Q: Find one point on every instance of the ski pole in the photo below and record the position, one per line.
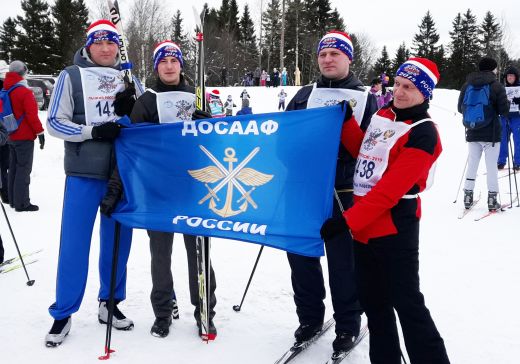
(444, 109)
(30, 281)
(509, 167)
(461, 179)
(237, 308)
(111, 300)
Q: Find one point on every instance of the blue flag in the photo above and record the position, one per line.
(265, 178)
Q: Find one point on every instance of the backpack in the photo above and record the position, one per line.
(476, 110)
(7, 119)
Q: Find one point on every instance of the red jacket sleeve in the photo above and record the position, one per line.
(30, 108)
(352, 136)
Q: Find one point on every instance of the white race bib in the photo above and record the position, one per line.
(100, 85)
(513, 92)
(174, 106)
(372, 161)
(320, 97)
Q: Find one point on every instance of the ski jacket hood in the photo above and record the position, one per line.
(512, 71)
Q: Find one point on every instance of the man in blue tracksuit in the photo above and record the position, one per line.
(81, 113)
(511, 79)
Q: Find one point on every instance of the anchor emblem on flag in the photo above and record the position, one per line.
(231, 177)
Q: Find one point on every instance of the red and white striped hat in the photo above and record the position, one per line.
(166, 49)
(338, 40)
(102, 30)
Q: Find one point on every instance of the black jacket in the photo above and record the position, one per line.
(498, 102)
(145, 108)
(345, 165)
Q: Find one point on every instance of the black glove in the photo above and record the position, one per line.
(199, 114)
(125, 100)
(332, 227)
(110, 201)
(41, 139)
(348, 113)
(516, 100)
(106, 131)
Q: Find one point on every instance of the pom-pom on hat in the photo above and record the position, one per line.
(423, 73)
(102, 30)
(338, 40)
(166, 49)
(487, 64)
(214, 93)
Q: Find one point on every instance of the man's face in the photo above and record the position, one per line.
(406, 95)
(333, 63)
(104, 53)
(511, 78)
(169, 70)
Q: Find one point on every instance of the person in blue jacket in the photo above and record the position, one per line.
(511, 124)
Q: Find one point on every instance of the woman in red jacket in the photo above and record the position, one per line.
(395, 157)
(21, 141)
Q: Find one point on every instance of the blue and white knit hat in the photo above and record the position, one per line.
(102, 30)
(423, 73)
(338, 40)
(166, 49)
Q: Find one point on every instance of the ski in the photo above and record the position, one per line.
(115, 18)
(203, 242)
(494, 212)
(15, 259)
(10, 268)
(465, 211)
(297, 347)
(338, 356)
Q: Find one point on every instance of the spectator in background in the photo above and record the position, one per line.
(511, 124)
(21, 141)
(246, 109)
(281, 100)
(297, 77)
(487, 138)
(284, 77)
(263, 78)
(275, 78)
(4, 165)
(257, 74)
(382, 95)
(229, 105)
(244, 96)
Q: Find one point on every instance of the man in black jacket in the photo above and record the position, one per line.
(486, 138)
(336, 83)
(155, 106)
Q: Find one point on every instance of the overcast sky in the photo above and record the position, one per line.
(385, 22)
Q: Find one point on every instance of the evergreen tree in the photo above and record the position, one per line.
(8, 38)
(336, 21)
(70, 23)
(248, 40)
(178, 34)
(271, 42)
(424, 42)
(383, 64)
(180, 37)
(37, 45)
(401, 55)
(464, 49)
(490, 36)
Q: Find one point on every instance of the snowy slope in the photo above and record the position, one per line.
(469, 270)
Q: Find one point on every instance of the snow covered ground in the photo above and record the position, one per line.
(469, 270)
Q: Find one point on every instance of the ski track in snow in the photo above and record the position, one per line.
(468, 269)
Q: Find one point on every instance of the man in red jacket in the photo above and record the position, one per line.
(21, 141)
(395, 160)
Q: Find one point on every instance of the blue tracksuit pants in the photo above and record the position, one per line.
(513, 128)
(81, 202)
